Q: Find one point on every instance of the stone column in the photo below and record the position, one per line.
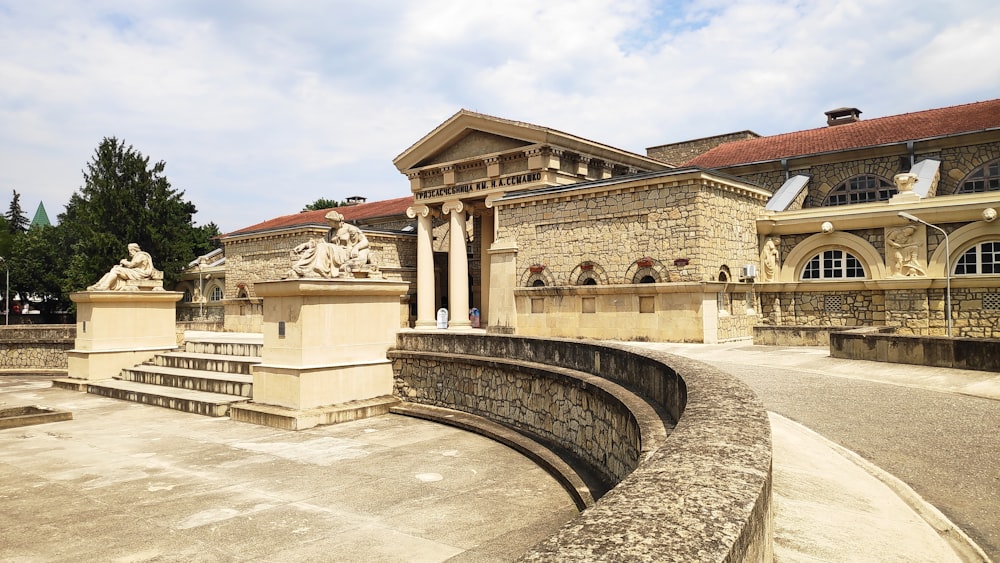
(425, 267)
(458, 268)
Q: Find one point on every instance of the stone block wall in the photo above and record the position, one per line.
(679, 153)
(958, 162)
(31, 347)
(689, 229)
(597, 428)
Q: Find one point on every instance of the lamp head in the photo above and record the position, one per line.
(909, 217)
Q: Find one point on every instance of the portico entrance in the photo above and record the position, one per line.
(456, 171)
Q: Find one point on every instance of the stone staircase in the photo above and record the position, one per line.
(209, 374)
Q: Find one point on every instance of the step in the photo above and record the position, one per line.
(206, 362)
(190, 379)
(233, 348)
(224, 343)
(198, 402)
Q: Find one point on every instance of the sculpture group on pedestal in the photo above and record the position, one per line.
(343, 251)
(134, 273)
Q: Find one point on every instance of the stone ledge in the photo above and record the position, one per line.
(301, 419)
(982, 354)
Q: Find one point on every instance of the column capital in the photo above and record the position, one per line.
(422, 210)
(492, 198)
(455, 205)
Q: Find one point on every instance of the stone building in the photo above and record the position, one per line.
(549, 234)
(843, 255)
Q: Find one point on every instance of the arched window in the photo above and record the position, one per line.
(187, 296)
(647, 279)
(538, 283)
(216, 294)
(861, 189)
(983, 258)
(590, 281)
(986, 178)
(833, 264)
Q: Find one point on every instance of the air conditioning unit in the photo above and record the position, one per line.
(748, 272)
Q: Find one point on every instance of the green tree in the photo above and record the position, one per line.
(17, 222)
(322, 203)
(124, 200)
(36, 266)
(207, 239)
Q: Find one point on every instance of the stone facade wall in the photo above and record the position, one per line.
(825, 177)
(249, 260)
(738, 314)
(688, 230)
(976, 311)
(679, 153)
(957, 163)
(825, 308)
(31, 347)
(915, 312)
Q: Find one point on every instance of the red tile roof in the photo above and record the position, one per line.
(384, 208)
(931, 123)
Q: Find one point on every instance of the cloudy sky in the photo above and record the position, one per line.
(262, 106)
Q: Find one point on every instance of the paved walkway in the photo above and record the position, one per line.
(831, 504)
(129, 482)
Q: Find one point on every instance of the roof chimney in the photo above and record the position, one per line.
(841, 116)
(355, 199)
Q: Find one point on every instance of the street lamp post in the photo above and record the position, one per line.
(6, 299)
(947, 264)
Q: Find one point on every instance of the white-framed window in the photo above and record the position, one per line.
(216, 294)
(982, 258)
(861, 189)
(986, 178)
(833, 264)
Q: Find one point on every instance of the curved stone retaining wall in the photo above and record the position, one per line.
(35, 347)
(701, 493)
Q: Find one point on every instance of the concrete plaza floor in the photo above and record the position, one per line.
(129, 482)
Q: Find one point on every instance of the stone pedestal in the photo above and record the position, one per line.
(119, 329)
(325, 344)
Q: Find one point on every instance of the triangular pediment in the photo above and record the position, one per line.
(468, 135)
(472, 144)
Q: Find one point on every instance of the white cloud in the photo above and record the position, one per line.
(261, 107)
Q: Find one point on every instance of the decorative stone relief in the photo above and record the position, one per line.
(904, 251)
(770, 260)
